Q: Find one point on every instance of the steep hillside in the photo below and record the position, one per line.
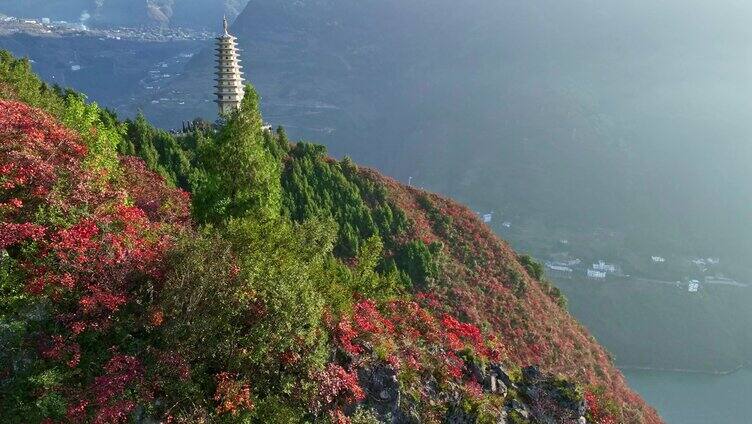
(288, 287)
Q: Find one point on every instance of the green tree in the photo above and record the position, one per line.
(160, 150)
(239, 176)
(533, 267)
(418, 261)
(101, 133)
(239, 297)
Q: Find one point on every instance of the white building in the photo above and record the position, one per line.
(658, 259)
(595, 274)
(694, 286)
(604, 267)
(560, 271)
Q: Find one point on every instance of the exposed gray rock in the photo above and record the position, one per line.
(501, 374)
(383, 394)
(539, 397)
(519, 407)
(531, 374)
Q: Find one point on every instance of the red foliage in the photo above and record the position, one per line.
(414, 336)
(156, 318)
(11, 233)
(86, 249)
(597, 411)
(107, 396)
(60, 350)
(231, 395)
(96, 262)
(149, 193)
(336, 388)
(484, 283)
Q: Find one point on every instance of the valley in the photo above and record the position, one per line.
(576, 155)
(162, 78)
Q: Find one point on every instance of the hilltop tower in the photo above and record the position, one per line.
(229, 75)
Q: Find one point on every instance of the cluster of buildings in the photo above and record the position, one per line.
(566, 269)
(562, 268)
(601, 269)
(701, 262)
(10, 25)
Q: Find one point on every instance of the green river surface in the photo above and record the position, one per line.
(685, 398)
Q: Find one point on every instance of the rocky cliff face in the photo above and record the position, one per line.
(533, 397)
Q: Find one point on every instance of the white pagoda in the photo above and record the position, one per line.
(229, 75)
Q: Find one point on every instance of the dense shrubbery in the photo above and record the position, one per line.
(316, 187)
(99, 128)
(536, 270)
(259, 299)
(160, 150)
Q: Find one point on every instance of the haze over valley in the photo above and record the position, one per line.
(613, 131)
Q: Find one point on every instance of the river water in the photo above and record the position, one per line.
(683, 398)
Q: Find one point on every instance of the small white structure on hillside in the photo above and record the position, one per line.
(604, 267)
(658, 259)
(595, 274)
(694, 286)
(556, 270)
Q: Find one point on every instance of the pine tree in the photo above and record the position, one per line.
(239, 176)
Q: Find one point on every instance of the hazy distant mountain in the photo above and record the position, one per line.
(632, 115)
(190, 13)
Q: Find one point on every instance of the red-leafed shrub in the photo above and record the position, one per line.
(407, 334)
(597, 410)
(231, 395)
(149, 193)
(335, 389)
(83, 253)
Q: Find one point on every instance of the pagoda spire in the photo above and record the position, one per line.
(229, 88)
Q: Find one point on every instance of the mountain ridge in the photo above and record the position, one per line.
(372, 281)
